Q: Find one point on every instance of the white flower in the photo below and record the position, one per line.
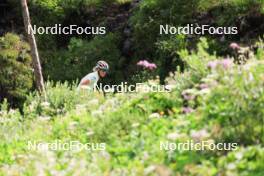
(175, 135)
(154, 115)
(89, 133)
(72, 125)
(149, 170)
(105, 155)
(231, 166)
(199, 135)
(145, 155)
(239, 155)
(44, 118)
(135, 125)
(45, 104)
(93, 102)
(11, 111)
(96, 113)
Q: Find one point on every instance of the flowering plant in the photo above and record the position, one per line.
(147, 65)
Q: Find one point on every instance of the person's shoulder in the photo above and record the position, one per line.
(91, 76)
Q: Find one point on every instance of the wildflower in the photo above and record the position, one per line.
(234, 46)
(239, 155)
(135, 125)
(231, 166)
(45, 104)
(89, 133)
(142, 63)
(175, 136)
(105, 155)
(226, 63)
(189, 94)
(12, 111)
(44, 118)
(93, 102)
(188, 97)
(199, 135)
(149, 170)
(203, 86)
(72, 125)
(154, 115)
(152, 66)
(187, 110)
(96, 113)
(147, 65)
(212, 64)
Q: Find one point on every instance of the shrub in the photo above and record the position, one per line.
(237, 103)
(15, 74)
(245, 161)
(197, 61)
(59, 99)
(81, 57)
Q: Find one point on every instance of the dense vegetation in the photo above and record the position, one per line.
(217, 93)
(220, 102)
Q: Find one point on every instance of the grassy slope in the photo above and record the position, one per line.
(132, 126)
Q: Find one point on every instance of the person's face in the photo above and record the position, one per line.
(102, 73)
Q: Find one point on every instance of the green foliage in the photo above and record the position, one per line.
(197, 61)
(133, 125)
(59, 99)
(81, 57)
(237, 104)
(246, 161)
(220, 103)
(16, 74)
(151, 14)
(168, 58)
(234, 9)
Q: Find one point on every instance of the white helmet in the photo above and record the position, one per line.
(102, 65)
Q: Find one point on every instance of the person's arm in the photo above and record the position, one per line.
(85, 82)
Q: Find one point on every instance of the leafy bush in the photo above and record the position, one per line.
(16, 73)
(59, 99)
(81, 57)
(197, 61)
(151, 14)
(246, 161)
(237, 104)
(133, 125)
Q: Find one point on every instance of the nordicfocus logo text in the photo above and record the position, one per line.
(58, 29)
(65, 146)
(199, 146)
(191, 29)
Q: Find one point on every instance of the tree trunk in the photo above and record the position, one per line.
(33, 46)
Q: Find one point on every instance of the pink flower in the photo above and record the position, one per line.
(199, 135)
(152, 66)
(187, 110)
(147, 65)
(143, 63)
(188, 96)
(212, 64)
(203, 86)
(234, 46)
(226, 63)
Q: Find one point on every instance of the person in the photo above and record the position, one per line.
(90, 80)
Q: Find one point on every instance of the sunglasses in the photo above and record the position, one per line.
(106, 71)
